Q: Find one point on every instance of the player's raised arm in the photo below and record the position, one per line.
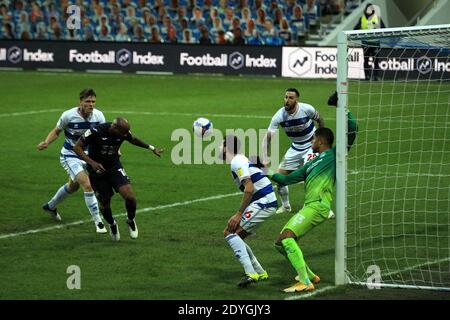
(352, 124)
(293, 177)
(52, 136)
(137, 142)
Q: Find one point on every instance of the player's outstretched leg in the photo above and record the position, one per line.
(92, 205)
(283, 192)
(130, 204)
(262, 274)
(105, 209)
(62, 193)
(91, 201)
(240, 252)
(314, 278)
(295, 256)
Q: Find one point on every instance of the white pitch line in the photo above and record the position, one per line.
(172, 205)
(15, 114)
(218, 115)
(309, 295)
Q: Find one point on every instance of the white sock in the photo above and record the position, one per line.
(59, 196)
(256, 265)
(240, 252)
(283, 191)
(92, 204)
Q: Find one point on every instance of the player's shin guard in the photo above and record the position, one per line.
(283, 192)
(130, 205)
(295, 256)
(60, 195)
(240, 252)
(92, 204)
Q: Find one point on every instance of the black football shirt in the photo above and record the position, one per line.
(104, 147)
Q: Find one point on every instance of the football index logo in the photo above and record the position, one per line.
(236, 60)
(14, 55)
(424, 65)
(123, 57)
(300, 62)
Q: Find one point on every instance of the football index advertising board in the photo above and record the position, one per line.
(319, 62)
(251, 60)
(132, 57)
(83, 55)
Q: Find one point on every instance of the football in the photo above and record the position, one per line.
(202, 127)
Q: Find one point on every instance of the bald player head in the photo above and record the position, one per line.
(120, 127)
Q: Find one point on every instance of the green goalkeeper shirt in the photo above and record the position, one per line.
(319, 174)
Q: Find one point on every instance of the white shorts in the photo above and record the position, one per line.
(254, 215)
(72, 165)
(294, 159)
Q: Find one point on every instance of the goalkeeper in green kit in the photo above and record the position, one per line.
(319, 176)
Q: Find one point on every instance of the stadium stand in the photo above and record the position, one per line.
(260, 22)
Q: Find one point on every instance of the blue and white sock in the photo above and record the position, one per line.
(59, 196)
(92, 204)
(256, 265)
(240, 252)
(283, 192)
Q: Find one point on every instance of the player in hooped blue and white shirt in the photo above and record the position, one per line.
(258, 203)
(297, 120)
(74, 122)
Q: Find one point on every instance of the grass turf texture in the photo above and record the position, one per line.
(180, 253)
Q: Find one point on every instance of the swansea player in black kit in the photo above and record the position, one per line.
(106, 172)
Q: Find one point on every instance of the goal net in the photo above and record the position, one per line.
(393, 185)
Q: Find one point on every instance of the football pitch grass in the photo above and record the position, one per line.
(182, 209)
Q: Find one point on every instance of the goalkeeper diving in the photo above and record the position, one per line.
(319, 176)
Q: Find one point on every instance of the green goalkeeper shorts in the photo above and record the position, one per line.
(311, 215)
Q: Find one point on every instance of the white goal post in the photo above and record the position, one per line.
(393, 185)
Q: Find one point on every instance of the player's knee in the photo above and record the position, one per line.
(72, 187)
(86, 185)
(285, 234)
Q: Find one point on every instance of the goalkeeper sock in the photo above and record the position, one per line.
(59, 196)
(91, 203)
(295, 256)
(255, 263)
(240, 252)
(283, 191)
(309, 272)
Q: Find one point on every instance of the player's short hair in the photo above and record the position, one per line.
(87, 93)
(325, 133)
(293, 90)
(232, 143)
